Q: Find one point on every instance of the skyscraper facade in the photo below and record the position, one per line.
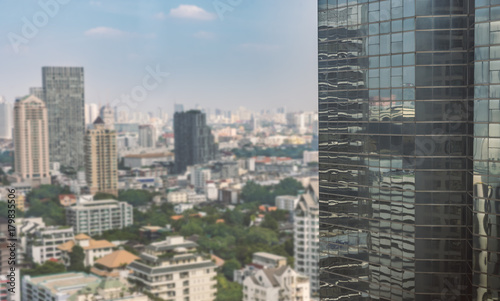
(101, 163)
(63, 90)
(147, 136)
(6, 117)
(108, 116)
(31, 141)
(194, 142)
(397, 88)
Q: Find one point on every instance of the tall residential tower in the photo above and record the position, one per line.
(63, 91)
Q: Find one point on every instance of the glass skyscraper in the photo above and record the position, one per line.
(409, 139)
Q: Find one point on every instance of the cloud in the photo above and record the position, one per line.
(259, 47)
(191, 12)
(108, 32)
(204, 35)
(160, 16)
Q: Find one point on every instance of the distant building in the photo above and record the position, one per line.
(260, 260)
(286, 202)
(147, 159)
(67, 199)
(101, 163)
(93, 249)
(6, 119)
(173, 270)
(176, 197)
(195, 142)
(310, 156)
(5, 295)
(64, 96)
(93, 217)
(42, 246)
(91, 112)
(108, 116)
(180, 208)
(199, 177)
(306, 234)
(31, 141)
(147, 136)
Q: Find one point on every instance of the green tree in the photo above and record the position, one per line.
(136, 197)
(50, 212)
(48, 267)
(288, 186)
(76, 258)
(229, 267)
(228, 291)
(269, 222)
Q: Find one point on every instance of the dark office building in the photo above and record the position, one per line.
(409, 141)
(194, 142)
(63, 93)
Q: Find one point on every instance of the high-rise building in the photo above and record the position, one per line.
(91, 112)
(6, 123)
(108, 116)
(147, 136)
(409, 149)
(173, 270)
(101, 162)
(306, 235)
(63, 93)
(31, 141)
(194, 142)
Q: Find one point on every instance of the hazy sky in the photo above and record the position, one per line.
(219, 54)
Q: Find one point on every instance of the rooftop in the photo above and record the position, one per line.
(68, 283)
(117, 259)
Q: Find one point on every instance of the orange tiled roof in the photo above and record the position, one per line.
(82, 236)
(176, 217)
(117, 259)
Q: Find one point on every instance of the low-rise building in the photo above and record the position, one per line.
(42, 245)
(147, 159)
(173, 270)
(114, 264)
(286, 202)
(273, 284)
(180, 208)
(57, 287)
(260, 260)
(93, 249)
(67, 200)
(93, 217)
(176, 197)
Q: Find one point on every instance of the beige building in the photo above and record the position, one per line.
(173, 270)
(31, 134)
(93, 249)
(114, 264)
(101, 165)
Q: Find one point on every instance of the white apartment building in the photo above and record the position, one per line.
(199, 177)
(172, 270)
(260, 260)
(42, 246)
(93, 217)
(306, 234)
(286, 202)
(274, 284)
(176, 197)
(180, 208)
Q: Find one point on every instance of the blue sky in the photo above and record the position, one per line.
(260, 54)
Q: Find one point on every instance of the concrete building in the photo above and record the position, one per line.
(172, 270)
(101, 163)
(31, 141)
(93, 217)
(74, 286)
(114, 264)
(93, 249)
(260, 260)
(306, 235)
(64, 96)
(194, 143)
(286, 202)
(199, 177)
(91, 112)
(310, 156)
(108, 116)
(147, 136)
(176, 197)
(6, 119)
(180, 208)
(43, 245)
(147, 159)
